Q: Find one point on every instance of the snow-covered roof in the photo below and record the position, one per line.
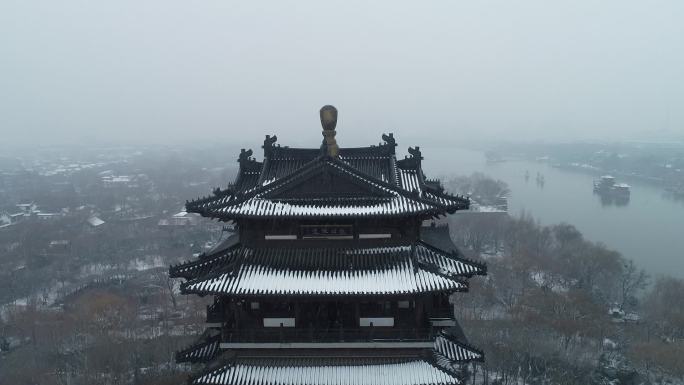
(263, 207)
(203, 350)
(393, 188)
(314, 371)
(117, 179)
(382, 199)
(95, 221)
(413, 268)
(487, 209)
(447, 263)
(263, 274)
(454, 350)
(409, 179)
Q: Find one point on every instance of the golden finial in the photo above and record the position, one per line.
(329, 122)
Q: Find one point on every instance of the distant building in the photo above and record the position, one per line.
(331, 278)
(59, 246)
(618, 315)
(27, 208)
(48, 216)
(182, 218)
(112, 181)
(94, 221)
(5, 219)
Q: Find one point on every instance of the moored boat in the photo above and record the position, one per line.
(606, 185)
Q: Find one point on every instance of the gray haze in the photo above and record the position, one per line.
(173, 71)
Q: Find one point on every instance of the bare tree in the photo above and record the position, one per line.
(632, 281)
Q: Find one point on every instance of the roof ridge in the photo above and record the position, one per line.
(323, 161)
(227, 268)
(202, 258)
(454, 255)
(393, 187)
(204, 340)
(451, 338)
(309, 167)
(252, 275)
(434, 270)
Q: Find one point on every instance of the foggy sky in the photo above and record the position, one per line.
(171, 71)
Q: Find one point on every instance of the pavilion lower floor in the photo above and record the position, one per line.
(443, 346)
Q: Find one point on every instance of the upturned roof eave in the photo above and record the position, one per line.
(481, 267)
(323, 370)
(200, 292)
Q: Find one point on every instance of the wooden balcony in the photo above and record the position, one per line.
(296, 335)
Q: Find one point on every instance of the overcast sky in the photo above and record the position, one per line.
(171, 71)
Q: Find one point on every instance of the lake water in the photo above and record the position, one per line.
(649, 229)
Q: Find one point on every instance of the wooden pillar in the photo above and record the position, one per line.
(297, 312)
(432, 302)
(419, 311)
(236, 313)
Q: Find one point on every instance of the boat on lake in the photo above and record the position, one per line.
(606, 186)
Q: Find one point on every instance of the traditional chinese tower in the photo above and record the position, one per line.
(332, 277)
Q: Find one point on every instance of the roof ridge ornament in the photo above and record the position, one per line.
(390, 141)
(328, 115)
(245, 156)
(269, 144)
(415, 152)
